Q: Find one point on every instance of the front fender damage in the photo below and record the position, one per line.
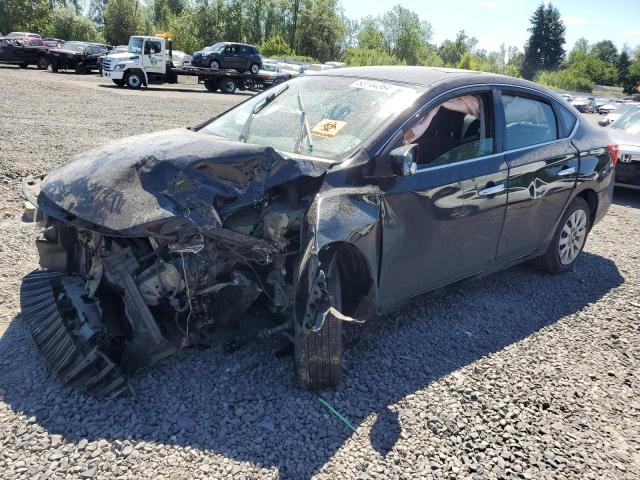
(340, 222)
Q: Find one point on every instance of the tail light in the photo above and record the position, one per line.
(613, 151)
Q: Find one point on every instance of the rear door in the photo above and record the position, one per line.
(543, 166)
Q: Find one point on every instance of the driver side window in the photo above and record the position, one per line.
(458, 129)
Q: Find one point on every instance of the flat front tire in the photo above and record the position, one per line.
(569, 239)
(318, 355)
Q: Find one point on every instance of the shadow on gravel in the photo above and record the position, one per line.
(245, 406)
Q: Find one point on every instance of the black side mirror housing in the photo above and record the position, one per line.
(403, 159)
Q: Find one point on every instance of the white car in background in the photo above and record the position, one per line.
(614, 115)
(584, 105)
(292, 69)
(180, 59)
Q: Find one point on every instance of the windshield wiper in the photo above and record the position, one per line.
(244, 134)
(304, 128)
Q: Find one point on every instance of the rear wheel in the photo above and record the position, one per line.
(211, 85)
(254, 68)
(43, 63)
(318, 355)
(569, 239)
(81, 68)
(227, 85)
(133, 80)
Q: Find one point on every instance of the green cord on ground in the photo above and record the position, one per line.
(336, 413)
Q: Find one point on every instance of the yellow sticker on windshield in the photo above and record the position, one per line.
(327, 128)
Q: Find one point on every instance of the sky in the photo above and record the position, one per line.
(494, 22)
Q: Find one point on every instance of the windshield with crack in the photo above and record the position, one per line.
(341, 113)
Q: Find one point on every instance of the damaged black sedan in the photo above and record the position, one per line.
(330, 198)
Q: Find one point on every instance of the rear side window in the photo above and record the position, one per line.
(528, 121)
(567, 119)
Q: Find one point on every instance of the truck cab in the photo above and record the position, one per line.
(145, 58)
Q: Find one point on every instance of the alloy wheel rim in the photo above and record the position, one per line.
(134, 81)
(572, 237)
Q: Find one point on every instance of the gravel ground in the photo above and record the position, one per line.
(519, 375)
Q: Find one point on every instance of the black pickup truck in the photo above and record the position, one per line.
(17, 53)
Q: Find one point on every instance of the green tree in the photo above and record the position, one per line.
(370, 34)
(319, 31)
(357, 57)
(632, 82)
(122, 18)
(67, 24)
(404, 34)
(606, 51)
(275, 46)
(544, 49)
(451, 51)
(20, 15)
(582, 45)
(622, 64)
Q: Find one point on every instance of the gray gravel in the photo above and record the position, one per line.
(519, 375)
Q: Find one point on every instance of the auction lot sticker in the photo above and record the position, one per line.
(327, 128)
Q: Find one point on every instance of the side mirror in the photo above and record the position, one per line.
(403, 159)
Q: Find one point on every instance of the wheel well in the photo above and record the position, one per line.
(591, 198)
(353, 267)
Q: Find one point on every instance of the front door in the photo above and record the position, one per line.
(543, 171)
(443, 223)
(231, 57)
(153, 56)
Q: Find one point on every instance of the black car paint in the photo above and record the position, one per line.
(237, 61)
(88, 59)
(12, 52)
(421, 232)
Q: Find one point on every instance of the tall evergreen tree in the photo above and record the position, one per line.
(544, 49)
(622, 64)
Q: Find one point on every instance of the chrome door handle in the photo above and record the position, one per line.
(567, 171)
(491, 190)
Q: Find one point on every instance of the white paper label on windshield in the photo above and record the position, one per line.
(376, 86)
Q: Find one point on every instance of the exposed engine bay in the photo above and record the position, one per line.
(110, 302)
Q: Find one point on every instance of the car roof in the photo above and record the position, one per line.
(424, 76)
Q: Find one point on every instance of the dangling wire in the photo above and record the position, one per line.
(185, 342)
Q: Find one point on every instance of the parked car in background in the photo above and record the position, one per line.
(625, 133)
(615, 114)
(180, 58)
(607, 107)
(226, 55)
(31, 41)
(14, 51)
(331, 198)
(293, 69)
(271, 75)
(79, 56)
(53, 42)
(22, 34)
(336, 64)
(567, 97)
(584, 105)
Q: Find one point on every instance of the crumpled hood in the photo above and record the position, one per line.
(169, 181)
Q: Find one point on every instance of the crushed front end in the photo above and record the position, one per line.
(122, 288)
